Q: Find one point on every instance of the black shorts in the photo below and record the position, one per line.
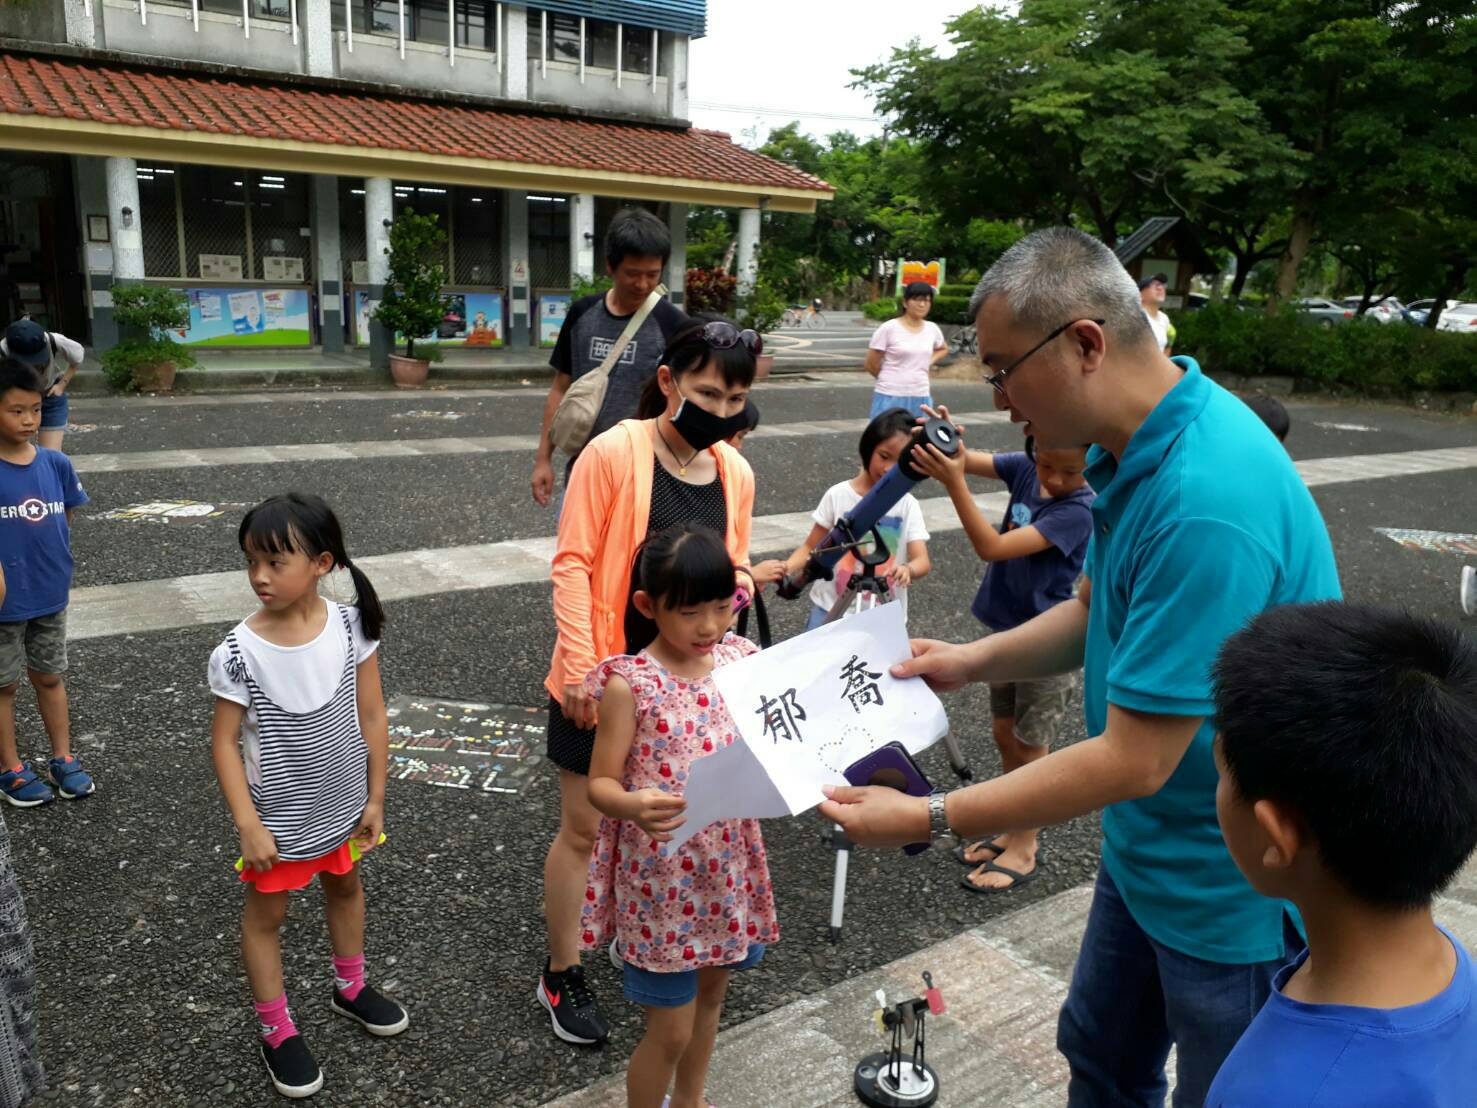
(570, 747)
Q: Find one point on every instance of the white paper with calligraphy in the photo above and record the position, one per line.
(807, 709)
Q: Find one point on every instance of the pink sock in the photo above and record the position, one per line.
(348, 975)
(276, 1021)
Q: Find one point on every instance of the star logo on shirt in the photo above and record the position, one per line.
(33, 510)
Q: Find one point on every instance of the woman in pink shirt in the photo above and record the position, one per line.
(903, 351)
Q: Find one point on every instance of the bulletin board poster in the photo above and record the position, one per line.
(471, 319)
(930, 273)
(552, 308)
(248, 317)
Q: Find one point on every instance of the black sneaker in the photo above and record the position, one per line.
(292, 1068)
(571, 1006)
(372, 1010)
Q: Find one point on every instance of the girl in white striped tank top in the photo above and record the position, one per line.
(301, 748)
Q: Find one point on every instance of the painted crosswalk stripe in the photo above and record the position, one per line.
(135, 461)
(159, 605)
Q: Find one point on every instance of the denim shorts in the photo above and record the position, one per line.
(54, 412)
(673, 990)
(39, 644)
(881, 402)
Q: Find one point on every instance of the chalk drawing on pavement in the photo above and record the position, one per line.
(488, 748)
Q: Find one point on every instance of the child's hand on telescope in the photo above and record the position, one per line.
(947, 471)
(900, 576)
(658, 813)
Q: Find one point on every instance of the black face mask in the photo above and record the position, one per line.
(701, 428)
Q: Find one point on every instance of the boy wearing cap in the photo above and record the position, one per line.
(56, 358)
(1151, 296)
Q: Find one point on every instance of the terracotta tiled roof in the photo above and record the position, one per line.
(172, 101)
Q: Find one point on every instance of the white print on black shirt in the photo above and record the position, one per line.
(32, 510)
(600, 348)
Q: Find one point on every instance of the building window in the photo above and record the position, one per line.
(257, 9)
(425, 21)
(600, 39)
(561, 42)
(564, 38)
(636, 50)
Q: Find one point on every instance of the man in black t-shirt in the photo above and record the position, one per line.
(637, 247)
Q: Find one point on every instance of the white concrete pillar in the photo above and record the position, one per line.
(379, 210)
(125, 219)
(516, 266)
(748, 248)
(583, 249)
(328, 263)
(515, 52)
(677, 266)
(318, 49)
(676, 63)
(91, 180)
(81, 23)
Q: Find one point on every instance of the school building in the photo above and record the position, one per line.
(254, 152)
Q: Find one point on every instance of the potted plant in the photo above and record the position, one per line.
(413, 305)
(146, 358)
(761, 308)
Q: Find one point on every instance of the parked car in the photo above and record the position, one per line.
(1388, 310)
(1417, 310)
(1461, 319)
(1324, 312)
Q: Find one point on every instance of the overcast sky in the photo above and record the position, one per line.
(766, 62)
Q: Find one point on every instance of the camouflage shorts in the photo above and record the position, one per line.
(1041, 709)
(39, 644)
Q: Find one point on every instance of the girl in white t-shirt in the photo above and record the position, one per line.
(297, 685)
(902, 353)
(902, 529)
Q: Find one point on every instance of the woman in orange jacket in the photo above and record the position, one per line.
(634, 480)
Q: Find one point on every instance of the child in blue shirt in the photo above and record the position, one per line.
(1035, 559)
(1347, 753)
(38, 490)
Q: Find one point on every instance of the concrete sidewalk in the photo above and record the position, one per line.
(995, 1047)
(302, 369)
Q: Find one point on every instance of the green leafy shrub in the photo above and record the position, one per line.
(951, 309)
(1364, 356)
(413, 303)
(965, 291)
(711, 290)
(883, 308)
(147, 313)
(761, 308)
(582, 286)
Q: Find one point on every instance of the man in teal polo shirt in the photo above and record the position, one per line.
(1200, 522)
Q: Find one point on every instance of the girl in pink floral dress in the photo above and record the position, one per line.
(684, 918)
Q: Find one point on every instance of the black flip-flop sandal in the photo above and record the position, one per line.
(990, 844)
(1017, 879)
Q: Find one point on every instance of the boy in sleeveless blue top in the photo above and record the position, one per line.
(1348, 785)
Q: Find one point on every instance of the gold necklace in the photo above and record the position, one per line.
(681, 465)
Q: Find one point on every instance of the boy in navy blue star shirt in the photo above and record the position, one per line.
(1035, 558)
(1347, 753)
(38, 490)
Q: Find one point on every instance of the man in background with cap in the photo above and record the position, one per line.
(1151, 296)
(56, 358)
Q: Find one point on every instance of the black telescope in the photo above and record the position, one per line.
(852, 528)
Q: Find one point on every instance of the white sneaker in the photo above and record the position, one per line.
(615, 955)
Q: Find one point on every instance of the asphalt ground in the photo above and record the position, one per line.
(131, 894)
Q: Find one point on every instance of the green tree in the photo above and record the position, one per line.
(413, 304)
(1092, 111)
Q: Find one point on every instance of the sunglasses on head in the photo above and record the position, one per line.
(721, 335)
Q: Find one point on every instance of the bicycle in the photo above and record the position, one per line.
(965, 341)
(803, 315)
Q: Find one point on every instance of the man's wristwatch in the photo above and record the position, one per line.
(938, 822)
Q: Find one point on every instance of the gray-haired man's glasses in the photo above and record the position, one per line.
(998, 379)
